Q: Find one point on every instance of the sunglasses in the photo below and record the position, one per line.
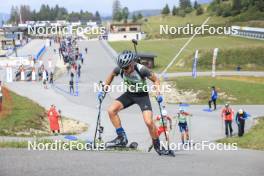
(126, 68)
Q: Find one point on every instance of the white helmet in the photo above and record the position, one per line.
(181, 109)
(240, 111)
(164, 112)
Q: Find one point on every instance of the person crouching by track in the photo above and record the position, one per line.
(241, 117)
(227, 115)
(183, 126)
(134, 76)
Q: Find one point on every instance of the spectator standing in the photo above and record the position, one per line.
(79, 71)
(227, 115)
(53, 117)
(51, 78)
(214, 96)
(71, 87)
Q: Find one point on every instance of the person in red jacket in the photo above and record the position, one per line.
(53, 117)
(227, 115)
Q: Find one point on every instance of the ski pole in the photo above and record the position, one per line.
(174, 128)
(222, 125)
(150, 147)
(61, 120)
(98, 123)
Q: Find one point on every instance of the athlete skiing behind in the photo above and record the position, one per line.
(163, 125)
(166, 118)
(183, 126)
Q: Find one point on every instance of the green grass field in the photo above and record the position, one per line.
(234, 90)
(234, 51)
(20, 114)
(166, 49)
(248, 58)
(253, 139)
(152, 26)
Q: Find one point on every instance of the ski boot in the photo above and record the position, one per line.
(119, 141)
(161, 151)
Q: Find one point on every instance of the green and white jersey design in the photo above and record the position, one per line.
(136, 81)
(182, 118)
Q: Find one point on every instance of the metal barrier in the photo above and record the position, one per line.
(40, 53)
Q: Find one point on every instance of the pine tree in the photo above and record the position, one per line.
(117, 11)
(25, 12)
(166, 10)
(14, 15)
(185, 4)
(189, 4)
(125, 14)
(195, 6)
(139, 16)
(174, 11)
(134, 18)
(98, 17)
(236, 5)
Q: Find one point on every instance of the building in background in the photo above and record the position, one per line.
(248, 32)
(147, 59)
(123, 32)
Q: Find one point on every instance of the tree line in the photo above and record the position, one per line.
(122, 14)
(185, 7)
(227, 8)
(46, 13)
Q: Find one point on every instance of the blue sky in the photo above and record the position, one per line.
(103, 6)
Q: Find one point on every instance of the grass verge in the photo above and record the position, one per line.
(20, 114)
(22, 144)
(25, 118)
(235, 90)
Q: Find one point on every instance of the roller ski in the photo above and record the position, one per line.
(121, 142)
(161, 150)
